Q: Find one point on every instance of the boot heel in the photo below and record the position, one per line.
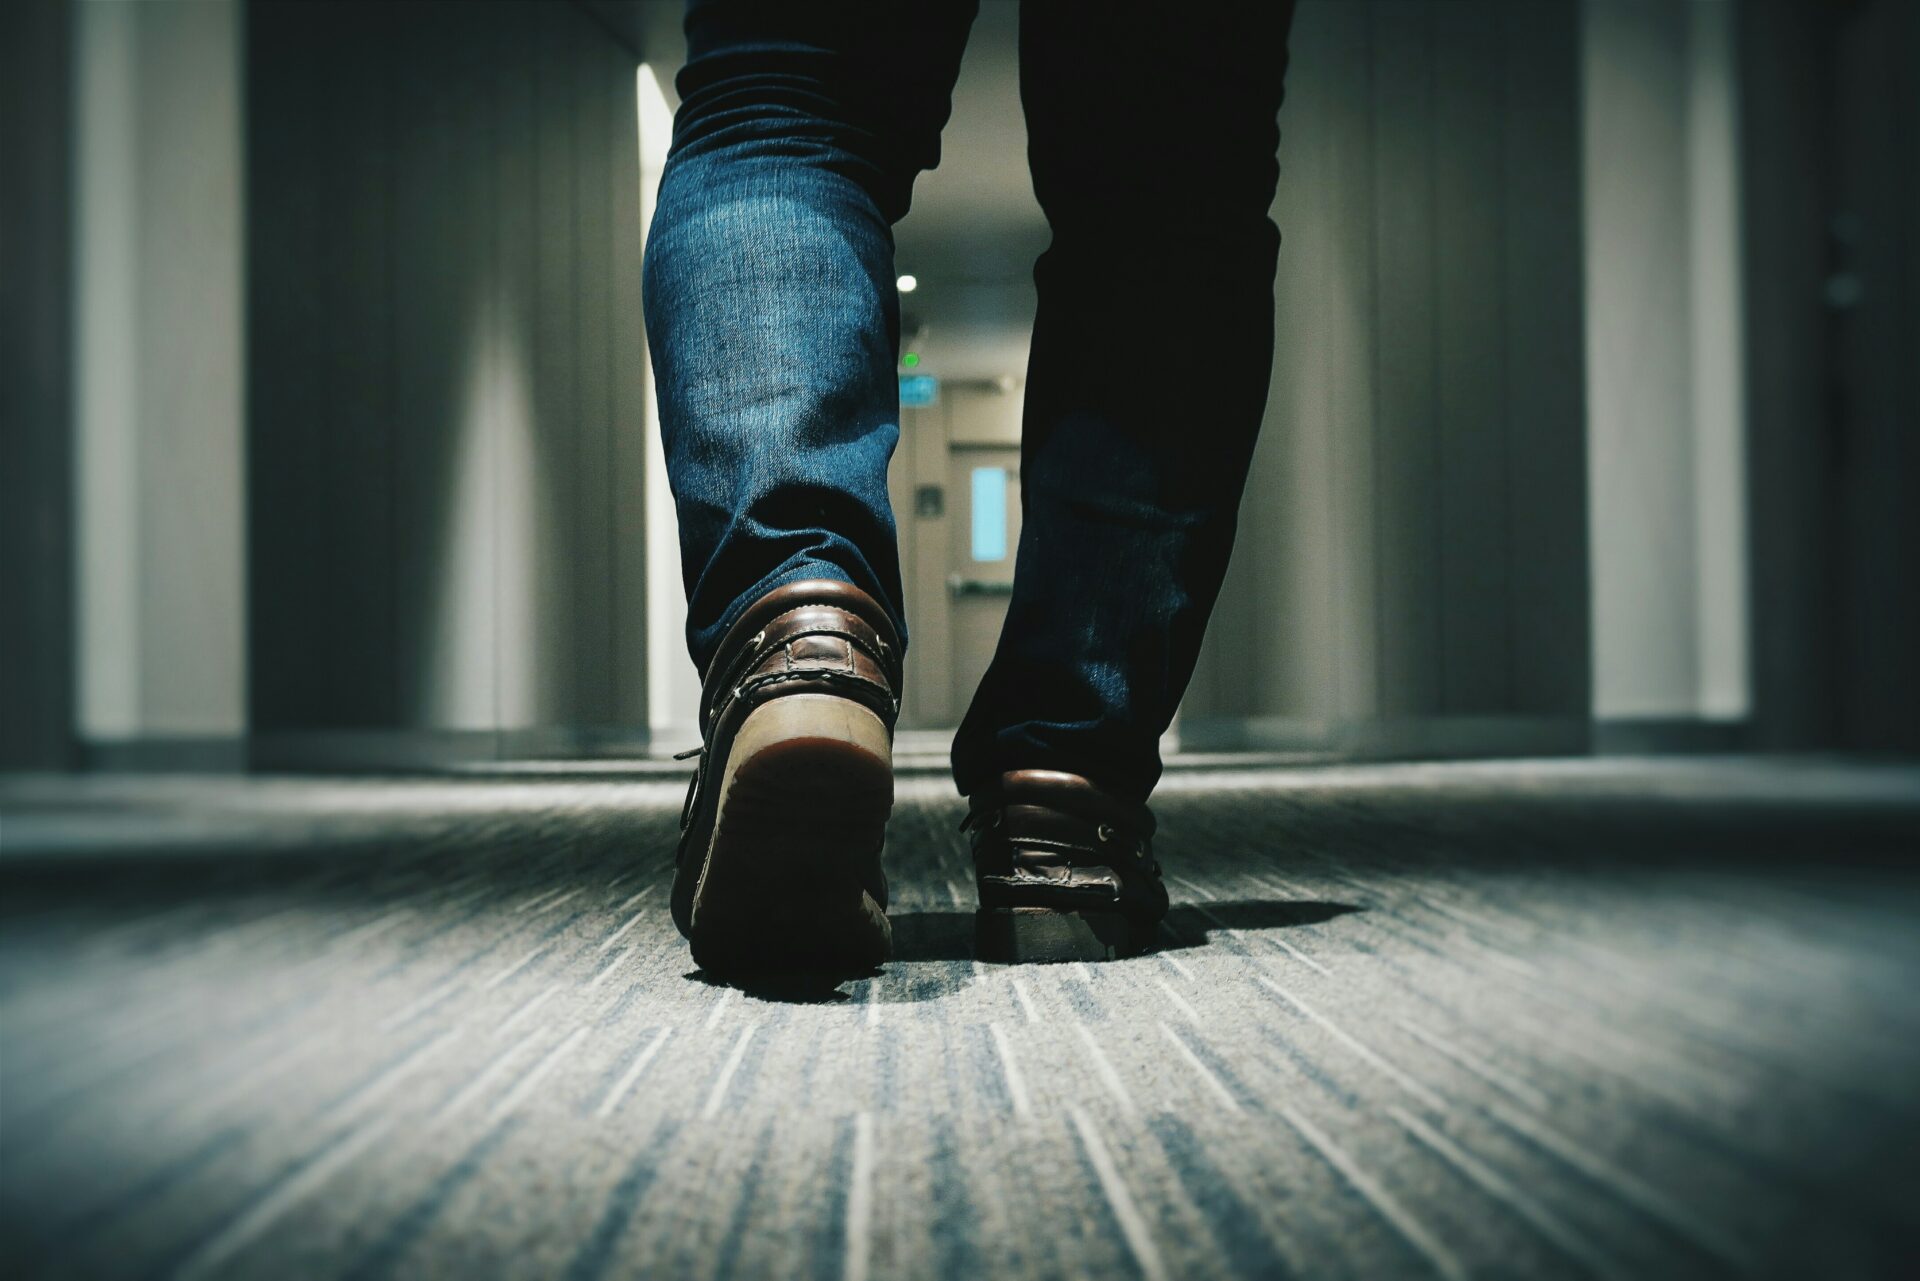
(792, 872)
(1025, 935)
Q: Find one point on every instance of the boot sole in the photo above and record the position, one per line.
(1029, 935)
(791, 879)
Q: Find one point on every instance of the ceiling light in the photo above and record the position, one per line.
(908, 284)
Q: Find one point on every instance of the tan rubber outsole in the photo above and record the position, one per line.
(1030, 935)
(792, 875)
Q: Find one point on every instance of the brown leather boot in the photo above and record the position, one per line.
(1065, 870)
(779, 862)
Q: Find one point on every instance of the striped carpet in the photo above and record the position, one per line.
(1621, 1018)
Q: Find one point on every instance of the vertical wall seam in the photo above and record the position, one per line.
(1378, 648)
(390, 87)
(539, 367)
(610, 59)
(1436, 422)
(491, 309)
(1504, 58)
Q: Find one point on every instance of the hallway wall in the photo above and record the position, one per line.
(159, 370)
(37, 635)
(445, 388)
(1666, 440)
(1831, 194)
(359, 421)
(1412, 570)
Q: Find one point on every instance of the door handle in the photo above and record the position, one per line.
(959, 586)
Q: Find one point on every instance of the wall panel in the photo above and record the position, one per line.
(628, 393)
(1546, 364)
(521, 629)
(445, 493)
(1407, 479)
(1411, 570)
(1475, 651)
(445, 459)
(158, 376)
(592, 294)
(37, 554)
(554, 317)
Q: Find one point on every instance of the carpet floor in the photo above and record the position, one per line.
(1609, 1018)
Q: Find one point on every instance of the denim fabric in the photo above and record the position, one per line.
(771, 310)
(774, 325)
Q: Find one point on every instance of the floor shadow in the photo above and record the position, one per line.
(788, 988)
(957, 936)
(943, 944)
(1254, 914)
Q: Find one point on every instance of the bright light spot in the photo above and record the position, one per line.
(656, 120)
(673, 685)
(911, 359)
(989, 514)
(908, 284)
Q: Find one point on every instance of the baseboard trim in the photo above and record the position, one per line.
(363, 751)
(179, 754)
(404, 751)
(1398, 738)
(549, 749)
(1654, 736)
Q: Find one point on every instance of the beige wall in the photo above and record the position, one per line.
(1666, 451)
(1412, 566)
(158, 373)
(443, 476)
(447, 424)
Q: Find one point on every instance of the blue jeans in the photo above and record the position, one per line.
(774, 325)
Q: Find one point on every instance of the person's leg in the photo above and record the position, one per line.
(1153, 147)
(770, 302)
(774, 325)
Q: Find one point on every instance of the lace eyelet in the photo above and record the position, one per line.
(1104, 832)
